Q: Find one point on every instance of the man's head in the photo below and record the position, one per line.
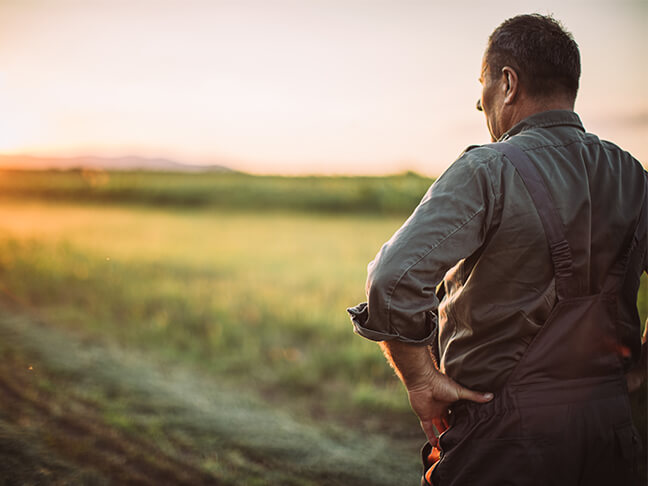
(531, 64)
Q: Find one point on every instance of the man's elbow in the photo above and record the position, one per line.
(381, 281)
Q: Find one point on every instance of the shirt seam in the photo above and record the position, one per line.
(557, 145)
(491, 180)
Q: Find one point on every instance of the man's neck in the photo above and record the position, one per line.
(527, 107)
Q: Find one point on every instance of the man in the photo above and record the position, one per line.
(538, 244)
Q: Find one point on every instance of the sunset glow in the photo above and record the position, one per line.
(287, 86)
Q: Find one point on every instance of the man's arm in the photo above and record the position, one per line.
(449, 224)
(430, 391)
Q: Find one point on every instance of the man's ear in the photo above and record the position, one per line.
(511, 84)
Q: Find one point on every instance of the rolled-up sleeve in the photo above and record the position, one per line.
(450, 223)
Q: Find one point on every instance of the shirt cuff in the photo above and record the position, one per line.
(359, 316)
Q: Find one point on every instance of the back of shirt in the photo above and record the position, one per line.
(499, 296)
(478, 231)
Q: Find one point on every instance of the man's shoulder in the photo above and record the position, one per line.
(477, 152)
(613, 147)
(475, 163)
(479, 156)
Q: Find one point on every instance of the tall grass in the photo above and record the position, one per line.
(257, 298)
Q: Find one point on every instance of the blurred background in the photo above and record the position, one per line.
(190, 192)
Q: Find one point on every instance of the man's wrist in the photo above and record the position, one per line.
(412, 363)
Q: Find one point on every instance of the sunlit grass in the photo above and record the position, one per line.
(258, 297)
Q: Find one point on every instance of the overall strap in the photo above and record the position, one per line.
(551, 222)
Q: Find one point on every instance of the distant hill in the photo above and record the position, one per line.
(29, 162)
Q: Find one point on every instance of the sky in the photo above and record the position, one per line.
(291, 87)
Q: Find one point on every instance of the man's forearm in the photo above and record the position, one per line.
(413, 364)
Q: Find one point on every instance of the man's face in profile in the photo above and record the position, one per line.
(488, 102)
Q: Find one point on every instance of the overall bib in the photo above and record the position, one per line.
(563, 417)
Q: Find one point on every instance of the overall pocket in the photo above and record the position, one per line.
(494, 462)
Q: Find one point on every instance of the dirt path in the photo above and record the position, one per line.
(74, 412)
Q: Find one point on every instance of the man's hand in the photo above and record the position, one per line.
(430, 391)
(430, 402)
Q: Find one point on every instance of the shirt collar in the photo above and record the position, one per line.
(545, 119)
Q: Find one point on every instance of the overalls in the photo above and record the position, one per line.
(563, 417)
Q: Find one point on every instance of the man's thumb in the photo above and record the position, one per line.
(473, 396)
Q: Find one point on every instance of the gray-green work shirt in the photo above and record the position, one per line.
(477, 232)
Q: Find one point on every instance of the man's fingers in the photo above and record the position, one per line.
(439, 425)
(430, 433)
(444, 421)
(473, 396)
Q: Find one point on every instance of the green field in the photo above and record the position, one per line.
(193, 341)
(248, 302)
(397, 194)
